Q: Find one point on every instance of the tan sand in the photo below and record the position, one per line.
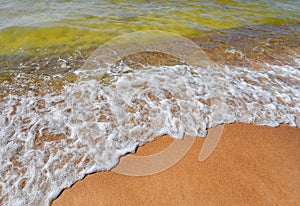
(252, 165)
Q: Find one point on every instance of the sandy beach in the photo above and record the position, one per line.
(252, 165)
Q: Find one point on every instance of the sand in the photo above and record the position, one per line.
(252, 165)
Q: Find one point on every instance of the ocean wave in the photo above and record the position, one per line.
(50, 141)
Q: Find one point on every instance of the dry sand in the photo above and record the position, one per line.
(252, 165)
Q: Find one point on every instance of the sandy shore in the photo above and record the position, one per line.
(252, 165)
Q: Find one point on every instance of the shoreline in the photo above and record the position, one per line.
(85, 83)
(251, 165)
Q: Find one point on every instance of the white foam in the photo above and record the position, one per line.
(102, 119)
(234, 51)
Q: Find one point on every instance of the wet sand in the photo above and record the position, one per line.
(252, 165)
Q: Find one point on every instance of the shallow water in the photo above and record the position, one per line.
(27, 26)
(59, 121)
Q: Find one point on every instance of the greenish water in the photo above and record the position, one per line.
(53, 37)
(36, 27)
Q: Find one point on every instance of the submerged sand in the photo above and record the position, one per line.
(252, 165)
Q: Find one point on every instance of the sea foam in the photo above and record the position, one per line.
(50, 141)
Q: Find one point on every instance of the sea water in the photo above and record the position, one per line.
(59, 122)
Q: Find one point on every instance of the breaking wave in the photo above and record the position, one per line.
(50, 141)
